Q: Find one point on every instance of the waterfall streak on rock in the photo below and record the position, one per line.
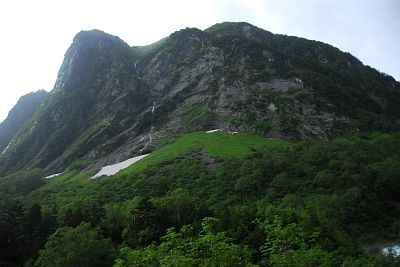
(151, 129)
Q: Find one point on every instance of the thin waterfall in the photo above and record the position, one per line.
(151, 129)
(152, 121)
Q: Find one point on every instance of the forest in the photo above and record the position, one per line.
(193, 203)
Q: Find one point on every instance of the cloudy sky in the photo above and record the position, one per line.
(36, 34)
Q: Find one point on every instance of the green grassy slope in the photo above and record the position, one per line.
(220, 145)
(73, 185)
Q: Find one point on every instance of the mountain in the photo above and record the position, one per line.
(108, 96)
(20, 114)
(266, 150)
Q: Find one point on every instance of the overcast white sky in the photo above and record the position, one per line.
(36, 34)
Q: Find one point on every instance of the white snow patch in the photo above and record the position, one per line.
(213, 131)
(219, 130)
(113, 169)
(53, 175)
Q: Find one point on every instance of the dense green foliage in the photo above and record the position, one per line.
(79, 246)
(278, 204)
(23, 231)
(184, 249)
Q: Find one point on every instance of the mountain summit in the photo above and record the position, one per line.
(108, 96)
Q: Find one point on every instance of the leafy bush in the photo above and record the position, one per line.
(80, 246)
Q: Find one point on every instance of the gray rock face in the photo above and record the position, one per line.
(232, 76)
(282, 85)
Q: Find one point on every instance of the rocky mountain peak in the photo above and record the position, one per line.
(95, 36)
(242, 29)
(187, 34)
(89, 50)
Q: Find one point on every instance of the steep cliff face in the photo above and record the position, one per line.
(19, 115)
(96, 84)
(238, 77)
(233, 76)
